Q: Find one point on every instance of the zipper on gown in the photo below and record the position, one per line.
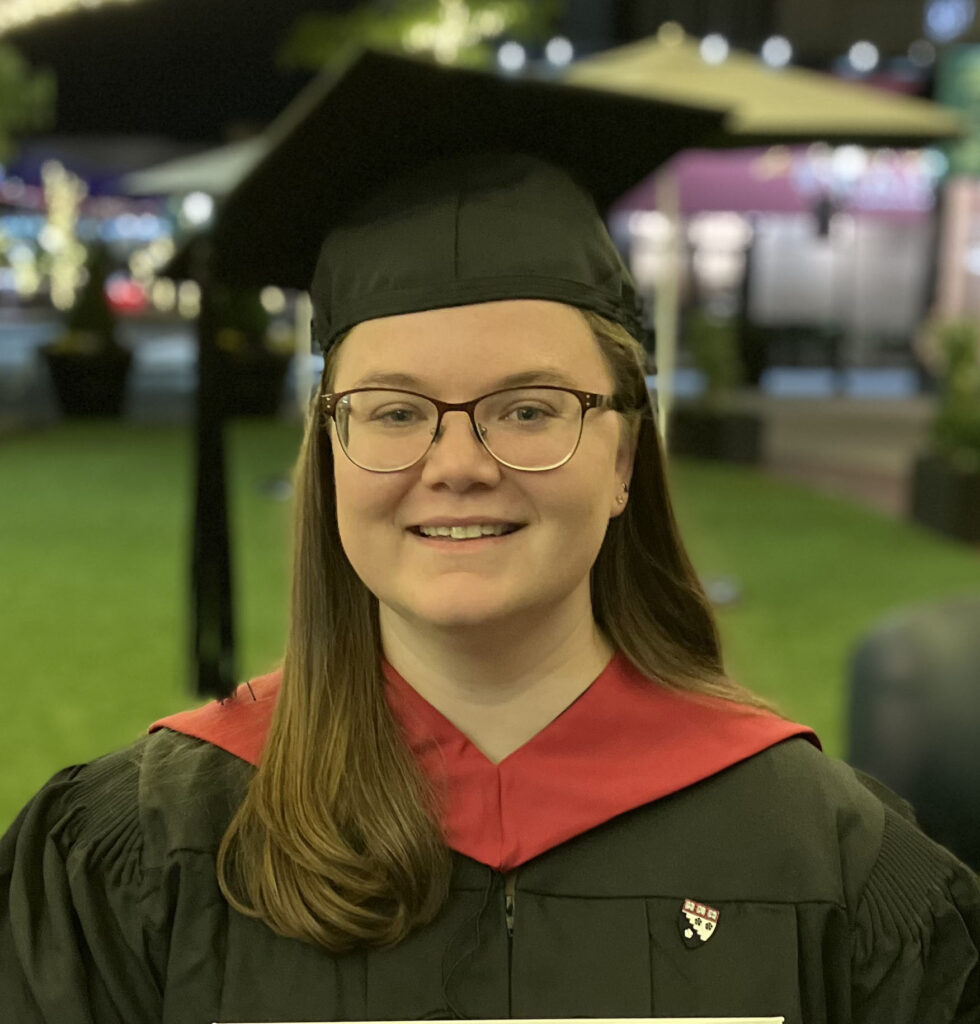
(510, 899)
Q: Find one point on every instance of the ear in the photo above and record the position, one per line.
(625, 456)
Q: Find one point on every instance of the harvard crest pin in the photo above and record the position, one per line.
(697, 923)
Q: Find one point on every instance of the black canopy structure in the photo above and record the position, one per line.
(763, 104)
(342, 139)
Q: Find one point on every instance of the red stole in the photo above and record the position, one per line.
(626, 741)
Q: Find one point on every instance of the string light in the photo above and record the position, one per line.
(141, 265)
(848, 163)
(777, 51)
(511, 56)
(27, 273)
(455, 28)
(273, 300)
(559, 51)
(16, 13)
(64, 193)
(863, 56)
(189, 299)
(196, 209)
(714, 49)
(936, 163)
(163, 294)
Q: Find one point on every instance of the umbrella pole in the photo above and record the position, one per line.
(212, 618)
(667, 298)
(305, 381)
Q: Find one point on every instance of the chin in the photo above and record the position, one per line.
(458, 608)
(458, 615)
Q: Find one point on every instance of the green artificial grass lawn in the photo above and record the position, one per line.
(815, 573)
(94, 533)
(94, 563)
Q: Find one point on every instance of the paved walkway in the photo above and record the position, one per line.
(858, 448)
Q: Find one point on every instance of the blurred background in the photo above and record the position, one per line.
(815, 288)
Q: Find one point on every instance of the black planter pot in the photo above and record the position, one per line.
(252, 383)
(89, 383)
(945, 498)
(728, 436)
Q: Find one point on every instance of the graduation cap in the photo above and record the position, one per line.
(510, 211)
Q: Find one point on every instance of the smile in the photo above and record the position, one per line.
(468, 532)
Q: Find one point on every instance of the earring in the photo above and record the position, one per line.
(621, 500)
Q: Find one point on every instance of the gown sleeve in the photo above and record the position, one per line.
(74, 944)
(916, 936)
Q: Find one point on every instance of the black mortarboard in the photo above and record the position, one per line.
(466, 230)
(429, 160)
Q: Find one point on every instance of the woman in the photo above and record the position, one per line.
(502, 771)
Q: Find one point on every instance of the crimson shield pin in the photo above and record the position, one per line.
(697, 923)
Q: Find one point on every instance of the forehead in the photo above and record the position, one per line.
(475, 346)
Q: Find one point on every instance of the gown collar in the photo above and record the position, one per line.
(625, 742)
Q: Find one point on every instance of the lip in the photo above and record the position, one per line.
(470, 543)
(466, 521)
(462, 547)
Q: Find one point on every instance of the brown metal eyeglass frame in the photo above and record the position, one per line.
(587, 399)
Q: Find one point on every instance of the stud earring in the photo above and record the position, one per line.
(621, 500)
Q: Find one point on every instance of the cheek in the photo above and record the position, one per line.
(597, 477)
(349, 494)
(580, 504)
(345, 490)
(364, 501)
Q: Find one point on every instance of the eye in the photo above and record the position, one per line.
(526, 408)
(397, 416)
(527, 414)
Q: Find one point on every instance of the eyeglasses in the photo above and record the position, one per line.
(532, 429)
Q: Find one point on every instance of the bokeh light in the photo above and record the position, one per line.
(922, 53)
(559, 51)
(863, 56)
(946, 20)
(777, 51)
(273, 300)
(511, 56)
(197, 209)
(714, 49)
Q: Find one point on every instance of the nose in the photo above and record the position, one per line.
(457, 458)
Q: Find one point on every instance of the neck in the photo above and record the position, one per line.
(498, 685)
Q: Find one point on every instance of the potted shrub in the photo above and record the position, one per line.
(946, 478)
(710, 427)
(89, 367)
(254, 353)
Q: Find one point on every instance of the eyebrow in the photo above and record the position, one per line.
(512, 380)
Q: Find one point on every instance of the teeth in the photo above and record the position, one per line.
(463, 532)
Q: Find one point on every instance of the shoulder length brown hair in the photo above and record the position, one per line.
(337, 841)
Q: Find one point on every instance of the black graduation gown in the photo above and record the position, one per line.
(832, 907)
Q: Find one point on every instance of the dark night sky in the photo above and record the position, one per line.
(189, 69)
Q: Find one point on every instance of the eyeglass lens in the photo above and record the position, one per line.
(525, 428)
